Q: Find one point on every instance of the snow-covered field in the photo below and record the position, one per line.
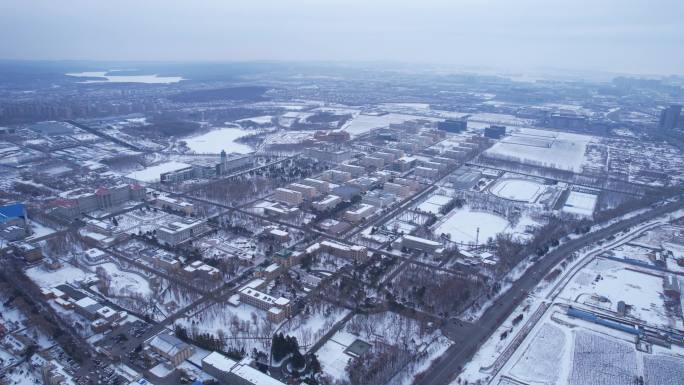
(151, 174)
(663, 370)
(539, 362)
(244, 326)
(213, 142)
(110, 77)
(580, 203)
(619, 282)
(544, 148)
(124, 283)
(598, 360)
(361, 123)
(387, 328)
(463, 224)
(309, 328)
(522, 190)
(264, 119)
(50, 278)
(434, 204)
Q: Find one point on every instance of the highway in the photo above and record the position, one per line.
(468, 338)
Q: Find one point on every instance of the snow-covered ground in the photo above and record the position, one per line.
(213, 142)
(381, 328)
(434, 204)
(264, 119)
(580, 203)
(151, 174)
(539, 361)
(362, 123)
(598, 360)
(463, 225)
(124, 283)
(51, 278)
(544, 148)
(39, 230)
(616, 281)
(522, 190)
(110, 77)
(309, 328)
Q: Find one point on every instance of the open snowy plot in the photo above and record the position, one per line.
(380, 328)
(22, 375)
(333, 359)
(264, 119)
(580, 203)
(10, 316)
(434, 204)
(362, 123)
(151, 174)
(522, 190)
(124, 283)
(310, 327)
(539, 362)
(243, 327)
(213, 142)
(620, 282)
(44, 277)
(559, 150)
(598, 360)
(463, 224)
(663, 370)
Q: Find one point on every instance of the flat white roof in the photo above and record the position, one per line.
(255, 376)
(219, 361)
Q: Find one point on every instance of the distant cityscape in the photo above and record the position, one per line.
(197, 224)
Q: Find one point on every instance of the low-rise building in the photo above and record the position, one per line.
(174, 204)
(426, 172)
(327, 203)
(379, 199)
(30, 253)
(328, 154)
(289, 197)
(219, 366)
(178, 232)
(336, 176)
(396, 189)
(355, 171)
(308, 192)
(170, 347)
(417, 243)
(277, 308)
(322, 186)
(279, 210)
(354, 252)
(199, 269)
(363, 211)
(373, 161)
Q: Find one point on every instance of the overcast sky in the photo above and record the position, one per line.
(635, 36)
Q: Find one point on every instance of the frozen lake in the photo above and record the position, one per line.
(149, 79)
(213, 142)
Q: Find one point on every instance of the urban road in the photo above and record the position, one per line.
(469, 337)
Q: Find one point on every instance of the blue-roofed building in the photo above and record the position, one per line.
(13, 223)
(13, 212)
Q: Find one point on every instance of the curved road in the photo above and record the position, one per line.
(468, 338)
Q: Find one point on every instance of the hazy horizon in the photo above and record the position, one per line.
(636, 37)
